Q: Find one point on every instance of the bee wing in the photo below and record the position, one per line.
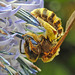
(68, 27)
(70, 20)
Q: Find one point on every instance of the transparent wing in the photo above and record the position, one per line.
(70, 21)
(68, 27)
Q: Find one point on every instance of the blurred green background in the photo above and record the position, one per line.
(64, 64)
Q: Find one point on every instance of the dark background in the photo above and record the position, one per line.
(64, 64)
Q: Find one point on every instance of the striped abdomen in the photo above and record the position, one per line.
(50, 17)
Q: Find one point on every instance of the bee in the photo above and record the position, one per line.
(46, 46)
